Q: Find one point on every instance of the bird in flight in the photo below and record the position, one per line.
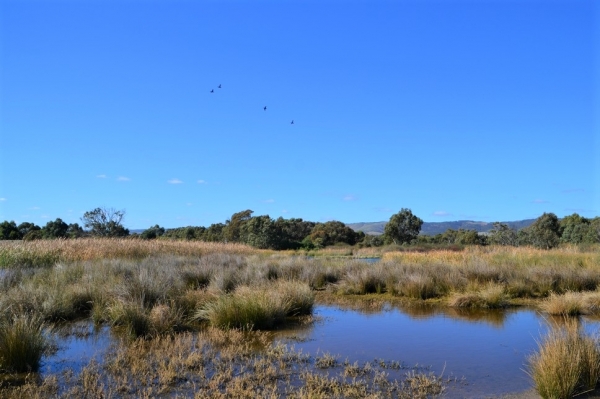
(212, 90)
(219, 86)
(265, 108)
(292, 122)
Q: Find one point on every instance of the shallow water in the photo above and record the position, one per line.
(484, 352)
(75, 350)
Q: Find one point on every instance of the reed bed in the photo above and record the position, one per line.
(44, 253)
(513, 257)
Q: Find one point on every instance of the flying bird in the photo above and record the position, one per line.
(212, 90)
(292, 122)
(219, 86)
(265, 108)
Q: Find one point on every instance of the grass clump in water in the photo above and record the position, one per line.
(567, 304)
(260, 307)
(131, 317)
(567, 363)
(296, 296)
(490, 297)
(22, 343)
(244, 309)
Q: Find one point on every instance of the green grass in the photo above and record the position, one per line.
(22, 343)
(244, 310)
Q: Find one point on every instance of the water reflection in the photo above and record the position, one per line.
(488, 348)
(77, 344)
(493, 317)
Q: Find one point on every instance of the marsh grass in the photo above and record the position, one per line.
(491, 296)
(131, 318)
(22, 343)
(567, 362)
(360, 280)
(46, 253)
(418, 286)
(297, 296)
(326, 361)
(244, 309)
(260, 307)
(567, 304)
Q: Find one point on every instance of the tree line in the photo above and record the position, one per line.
(264, 232)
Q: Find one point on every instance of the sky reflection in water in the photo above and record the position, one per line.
(489, 349)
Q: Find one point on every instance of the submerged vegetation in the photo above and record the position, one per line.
(228, 364)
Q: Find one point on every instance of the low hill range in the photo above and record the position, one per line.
(428, 228)
(433, 228)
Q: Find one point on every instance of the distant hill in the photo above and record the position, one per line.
(433, 228)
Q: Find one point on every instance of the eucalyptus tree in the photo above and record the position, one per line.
(105, 222)
(9, 231)
(544, 233)
(403, 227)
(501, 234)
(55, 229)
(575, 229)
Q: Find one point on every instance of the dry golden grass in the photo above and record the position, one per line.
(567, 304)
(48, 252)
(567, 362)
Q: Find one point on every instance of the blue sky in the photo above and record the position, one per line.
(482, 110)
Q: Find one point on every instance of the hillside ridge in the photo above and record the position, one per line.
(433, 228)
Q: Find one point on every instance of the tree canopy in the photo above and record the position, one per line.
(403, 227)
(105, 222)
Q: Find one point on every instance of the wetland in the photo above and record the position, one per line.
(128, 318)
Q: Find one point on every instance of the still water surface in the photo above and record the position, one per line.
(485, 352)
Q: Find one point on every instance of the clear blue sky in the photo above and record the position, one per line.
(482, 110)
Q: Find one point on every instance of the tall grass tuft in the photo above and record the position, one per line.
(296, 296)
(567, 304)
(259, 307)
(491, 296)
(131, 317)
(22, 343)
(244, 309)
(418, 286)
(567, 362)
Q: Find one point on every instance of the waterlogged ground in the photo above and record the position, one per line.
(483, 354)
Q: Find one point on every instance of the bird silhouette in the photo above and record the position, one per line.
(212, 90)
(292, 122)
(219, 86)
(265, 108)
